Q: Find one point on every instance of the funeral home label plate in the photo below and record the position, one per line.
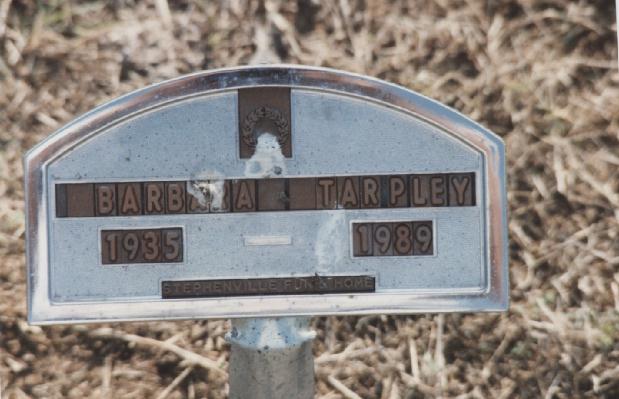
(274, 190)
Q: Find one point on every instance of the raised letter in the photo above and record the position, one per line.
(461, 189)
(348, 187)
(326, 193)
(397, 192)
(106, 199)
(154, 197)
(419, 191)
(175, 197)
(370, 189)
(244, 196)
(437, 188)
(130, 203)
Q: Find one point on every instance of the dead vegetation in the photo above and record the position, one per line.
(542, 74)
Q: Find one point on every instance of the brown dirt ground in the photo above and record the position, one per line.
(542, 74)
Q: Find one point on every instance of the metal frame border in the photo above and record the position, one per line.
(41, 310)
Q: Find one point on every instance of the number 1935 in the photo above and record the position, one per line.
(142, 246)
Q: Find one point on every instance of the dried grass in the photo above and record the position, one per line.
(542, 74)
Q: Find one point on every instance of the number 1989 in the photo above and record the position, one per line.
(393, 238)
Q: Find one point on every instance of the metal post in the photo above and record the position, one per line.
(271, 358)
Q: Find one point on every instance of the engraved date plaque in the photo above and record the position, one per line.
(402, 238)
(270, 190)
(141, 246)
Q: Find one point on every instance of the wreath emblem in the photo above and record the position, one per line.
(272, 114)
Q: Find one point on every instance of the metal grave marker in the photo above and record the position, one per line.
(265, 191)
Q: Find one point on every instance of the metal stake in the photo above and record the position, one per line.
(271, 358)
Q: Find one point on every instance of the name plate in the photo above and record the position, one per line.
(270, 190)
(273, 194)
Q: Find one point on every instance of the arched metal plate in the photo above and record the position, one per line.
(171, 202)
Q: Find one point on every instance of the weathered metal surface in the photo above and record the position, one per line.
(362, 152)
